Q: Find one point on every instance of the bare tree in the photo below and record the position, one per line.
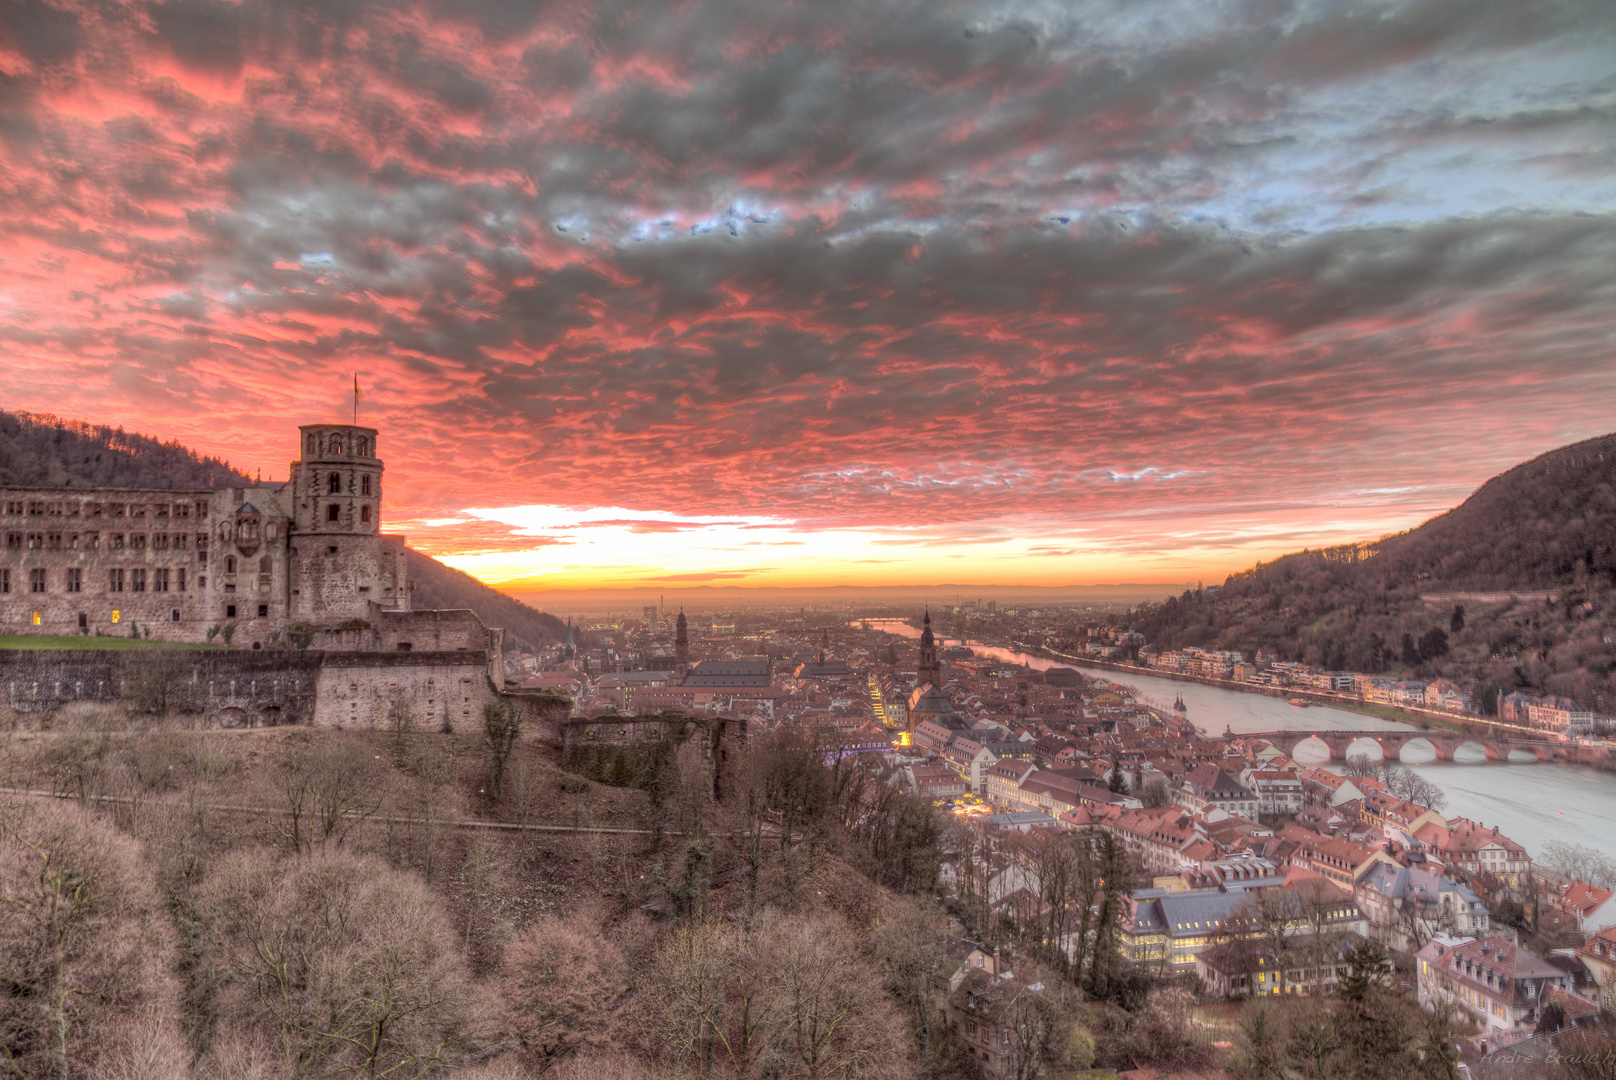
(1576, 862)
(560, 974)
(84, 944)
(502, 727)
(323, 796)
(347, 966)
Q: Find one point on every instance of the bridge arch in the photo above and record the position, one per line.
(1420, 744)
(1366, 746)
(1469, 746)
(1311, 746)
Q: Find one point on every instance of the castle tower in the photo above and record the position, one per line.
(681, 648)
(927, 668)
(341, 564)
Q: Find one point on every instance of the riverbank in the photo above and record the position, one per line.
(1424, 719)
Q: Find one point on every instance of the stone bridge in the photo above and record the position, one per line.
(1392, 742)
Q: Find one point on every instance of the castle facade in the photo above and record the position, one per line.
(301, 564)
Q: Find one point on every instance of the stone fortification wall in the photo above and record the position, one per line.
(443, 690)
(232, 688)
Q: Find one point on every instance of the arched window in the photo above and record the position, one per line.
(364, 484)
(333, 484)
(314, 445)
(335, 445)
(265, 565)
(364, 513)
(362, 447)
(269, 531)
(230, 564)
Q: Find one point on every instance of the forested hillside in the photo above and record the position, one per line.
(1415, 603)
(44, 451)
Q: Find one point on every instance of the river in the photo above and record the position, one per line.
(1530, 802)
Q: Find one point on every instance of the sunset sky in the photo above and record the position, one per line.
(836, 292)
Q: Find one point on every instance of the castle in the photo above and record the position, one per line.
(297, 579)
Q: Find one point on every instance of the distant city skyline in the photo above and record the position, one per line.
(852, 294)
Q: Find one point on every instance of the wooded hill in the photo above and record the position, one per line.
(45, 451)
(1408, 604)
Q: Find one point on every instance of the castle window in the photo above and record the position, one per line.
(37, 618)
(201, 582)
(117, 541)
(174, 615)
(73, 541)
(263, 611)
(13, 540)
(115, 509)
(114, 582)
(335, 446)
(54, 541)
(202, 543)
(36, 509)
(269, 531)
(116, 615)
(160, 580)
(160, 541)
(181, 587)
(230, 564)
(36, 581)
(201, 509)
(362, 447)
(314, 446)
(333, 484)
(137, 541)
(333, 512)
(160, 510)
(180, 540)
(364, 514)
(182, 510)
(36, 541)
(137, 581)
(230, 611)
(75, 581)
(364, 484)
(136, 510)
(5, 581)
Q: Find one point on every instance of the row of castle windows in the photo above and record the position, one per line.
(137, 580)
(75, 508)
(333, 483)
(91, 541)
(334, 445)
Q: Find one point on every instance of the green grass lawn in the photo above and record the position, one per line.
(65, 641)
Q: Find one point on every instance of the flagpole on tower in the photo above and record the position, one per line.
(356, 398)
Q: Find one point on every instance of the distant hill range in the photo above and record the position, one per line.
(44, 451)
(1514, 588)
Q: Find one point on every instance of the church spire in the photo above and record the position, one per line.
(681, 647)
(927, 667)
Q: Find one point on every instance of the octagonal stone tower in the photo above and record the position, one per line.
(341, 563)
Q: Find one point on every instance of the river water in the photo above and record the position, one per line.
(1530, 802)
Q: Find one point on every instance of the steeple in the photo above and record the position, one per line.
(927, 667)
(681, 647)
(570, 649)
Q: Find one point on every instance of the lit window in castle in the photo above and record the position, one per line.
(37, 618)
(116, 615)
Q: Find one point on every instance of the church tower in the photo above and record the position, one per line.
(681, 648)
(927, 668)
